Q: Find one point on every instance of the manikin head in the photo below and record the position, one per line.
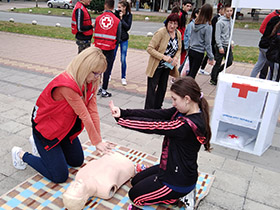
(76, 195)
(101, 178)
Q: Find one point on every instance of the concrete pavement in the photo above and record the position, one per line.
(28, 63)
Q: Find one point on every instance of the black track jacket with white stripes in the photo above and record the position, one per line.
(178, 163)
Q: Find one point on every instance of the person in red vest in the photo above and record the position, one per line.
(82, 25)
(63, 109)
(107, 34)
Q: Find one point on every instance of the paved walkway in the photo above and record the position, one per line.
(28, 63)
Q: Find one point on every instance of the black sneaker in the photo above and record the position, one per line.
(99, 91)
(212, 82)
(106, 95)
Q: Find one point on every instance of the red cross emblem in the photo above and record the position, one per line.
(106, 22)
(244, 89)
(232, 136)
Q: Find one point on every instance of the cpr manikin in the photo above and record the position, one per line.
(100, 178)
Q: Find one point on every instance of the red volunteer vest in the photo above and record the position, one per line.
(86, 21)
(54, 119)
(106, 27)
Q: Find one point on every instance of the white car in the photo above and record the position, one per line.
(60, 3)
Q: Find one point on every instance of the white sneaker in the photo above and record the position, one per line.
(189, 200)
(34, 148)
(124, 83)
(17, 161)
(203, 72)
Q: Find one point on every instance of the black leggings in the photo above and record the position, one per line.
(195, 59)
(147, 189)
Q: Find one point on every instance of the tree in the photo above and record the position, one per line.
(97, 5)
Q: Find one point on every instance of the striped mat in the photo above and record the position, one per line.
(38, 192)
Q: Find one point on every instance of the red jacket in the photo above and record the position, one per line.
(106, 27)
(267, 19)
(86, 21)
(54, 119)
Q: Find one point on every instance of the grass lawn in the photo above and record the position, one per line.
(68, 13)
(136, 17)
(241, 54)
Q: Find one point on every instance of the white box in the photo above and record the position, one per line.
(245, 109)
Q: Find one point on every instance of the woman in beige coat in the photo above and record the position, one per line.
(164, 50)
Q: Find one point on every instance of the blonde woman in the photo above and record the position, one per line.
(63, 109)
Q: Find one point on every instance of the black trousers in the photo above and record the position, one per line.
(195, 59)
(156, 88)
(110, 57)
(83, 44)
(218, 67)
(147, 189)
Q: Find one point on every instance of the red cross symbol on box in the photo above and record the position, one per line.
(106, 22)
(232, 136)
(244, 89)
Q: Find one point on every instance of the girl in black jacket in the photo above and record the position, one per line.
(124, 14)
(185, 127)
(273, 53)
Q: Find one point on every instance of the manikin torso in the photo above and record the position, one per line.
(100, 178)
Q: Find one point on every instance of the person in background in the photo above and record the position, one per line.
(186, 128)
(175, 9)
(164, 49)
(273, 52)
(187, 35)
(222, 36)
(221, 12)
(189, 28)
(125, 16)
(107, 36)
(65, 106)
(200, 40)
(82, 25)
(262, 64)
(186, 6)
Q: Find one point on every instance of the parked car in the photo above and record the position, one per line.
(60, 3)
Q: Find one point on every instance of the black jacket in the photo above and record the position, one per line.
(273, 52)
(178, 164)
(126, 24)
(264, 42)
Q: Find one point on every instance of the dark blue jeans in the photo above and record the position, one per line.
(124, 46)
(53, 164)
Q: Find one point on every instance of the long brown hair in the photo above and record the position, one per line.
(125, 4)
(188, 86)
(275, 29)
(204, 15)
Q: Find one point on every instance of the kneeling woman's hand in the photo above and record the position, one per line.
(104, 148)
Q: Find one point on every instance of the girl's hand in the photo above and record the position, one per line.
(211, 62)
(121, 15)
(104, 148)
(116, 112)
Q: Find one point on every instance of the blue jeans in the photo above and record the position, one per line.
(124, 46)
(53, 164)
(261, 63)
